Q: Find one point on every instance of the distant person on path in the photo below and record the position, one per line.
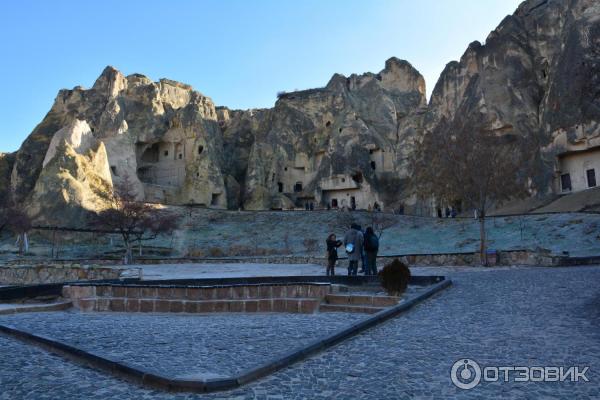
(371, 249)
(353, 241)
(332, 255)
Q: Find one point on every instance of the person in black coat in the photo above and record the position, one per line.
(371, 249)
(332, 256)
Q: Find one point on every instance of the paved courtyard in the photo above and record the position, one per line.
(197, 346)
(500, 317)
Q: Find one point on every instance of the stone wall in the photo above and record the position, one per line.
(505, 258)
(56, 273)
(295, 298)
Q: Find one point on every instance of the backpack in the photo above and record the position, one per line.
(372, 243)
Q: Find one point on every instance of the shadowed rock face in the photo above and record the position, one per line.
(361, 125)
(536, 78)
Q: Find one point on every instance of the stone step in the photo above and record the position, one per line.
(361, 300)
(122, 304)
(324, 307)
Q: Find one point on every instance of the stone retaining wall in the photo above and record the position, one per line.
(297, 298)
(56, 273)
(505, 258)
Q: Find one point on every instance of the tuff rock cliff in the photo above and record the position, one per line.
(347, 144)
(537, 77)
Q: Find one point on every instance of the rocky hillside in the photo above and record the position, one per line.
(352, 136)
(537, 78)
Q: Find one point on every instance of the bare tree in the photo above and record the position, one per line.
(476, 167)
(20, 224)
(135, 221)
(381, 222)
(14, 218)
(311, 245)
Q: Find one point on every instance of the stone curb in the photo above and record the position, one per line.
(145, 378)
(18, 308)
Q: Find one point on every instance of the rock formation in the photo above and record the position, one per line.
(347, 144)
(536, 77)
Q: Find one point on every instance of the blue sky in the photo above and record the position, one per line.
(240, 53)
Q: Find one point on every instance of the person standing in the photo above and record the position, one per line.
(353, 241)
(332, 255)
(371, 249)
(363, 258)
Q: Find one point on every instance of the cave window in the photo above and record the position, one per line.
(166, 153)
(565, 182)
(197, 174)
(298, 187)
(280, 187)
(544, 73)
(328, 124)
(113, 169)
(214, 201)
(591, 177)
(343, 180)
(357, 177)
(285, 169)
(370, 151)
(373, 165)
(334, 203)
(340, 130)
(180, 156)
(200, 149)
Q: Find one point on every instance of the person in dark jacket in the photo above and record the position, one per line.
(332, 256)
(371, 249)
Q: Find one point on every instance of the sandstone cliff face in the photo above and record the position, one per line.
(163, 135)
(536, 77)
(348, 144)
(70, 184)
(347, 140)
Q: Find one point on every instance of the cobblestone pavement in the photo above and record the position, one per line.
(184, 346)
(505, 317)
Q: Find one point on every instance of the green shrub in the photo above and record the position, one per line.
(394, 277)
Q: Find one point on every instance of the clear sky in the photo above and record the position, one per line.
(238, 52)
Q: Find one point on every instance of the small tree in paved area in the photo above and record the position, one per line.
(394, 277)
(479, 167)
(135, 221)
